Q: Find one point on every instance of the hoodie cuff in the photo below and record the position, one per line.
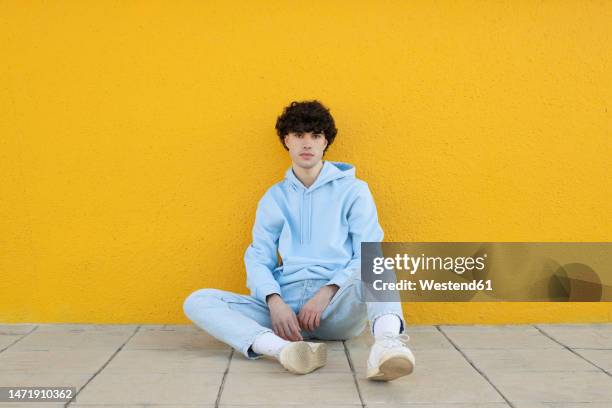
(264, 290)
(340, 278)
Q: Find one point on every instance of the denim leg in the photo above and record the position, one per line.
(229, 317)
(343, 318)
(377, 309)
(347, 314)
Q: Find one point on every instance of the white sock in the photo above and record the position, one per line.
(387, 323)
(268, 344)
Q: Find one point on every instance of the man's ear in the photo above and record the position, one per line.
(285, 141)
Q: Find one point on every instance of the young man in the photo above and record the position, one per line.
(316, 218)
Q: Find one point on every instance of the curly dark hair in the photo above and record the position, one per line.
(306, 116)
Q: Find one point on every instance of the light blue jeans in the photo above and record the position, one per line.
(237, 319)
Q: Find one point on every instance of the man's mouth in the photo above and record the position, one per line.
(306, 155)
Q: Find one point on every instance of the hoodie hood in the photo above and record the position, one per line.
(329, 172)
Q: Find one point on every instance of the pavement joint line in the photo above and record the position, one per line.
(229, 363)
(19, 339)
(352, 367)
(475, 367)
(570, 349)
(103, 366)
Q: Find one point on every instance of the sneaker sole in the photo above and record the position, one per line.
(300, 358)
(391, 369)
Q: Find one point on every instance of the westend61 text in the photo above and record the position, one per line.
(433, 285)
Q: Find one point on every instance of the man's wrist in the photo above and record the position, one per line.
(273, 297)
(331, 289)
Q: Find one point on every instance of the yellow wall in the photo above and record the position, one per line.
(136, 138)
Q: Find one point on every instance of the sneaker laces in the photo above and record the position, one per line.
(390, 340)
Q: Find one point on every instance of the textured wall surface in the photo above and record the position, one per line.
(136, 138)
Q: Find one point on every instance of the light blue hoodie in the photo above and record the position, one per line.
(317, 230)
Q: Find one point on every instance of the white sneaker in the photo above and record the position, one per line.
(390, 358)
(302, 357)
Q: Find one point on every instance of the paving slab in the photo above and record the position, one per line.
(531, 360)
(562, 405)
(304, 405)
(286, 389)
(17, 328)
(160, 338)
(75, 327)
(42, 379)
(174, 327)
(170, 361)
(431, 386)
(6, 340)
(601, 358)
(140, 406)
(485, 327)
(442, 405)
(595, 336)
(112, 387)
(33, 405)
(575, 326)
(54, 360)
(553, 386)
(49, 337)
(503, 337)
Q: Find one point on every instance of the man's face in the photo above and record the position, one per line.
(306, 149)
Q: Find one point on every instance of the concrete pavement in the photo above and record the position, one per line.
(457, 366)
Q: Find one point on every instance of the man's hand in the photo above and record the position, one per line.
(284, 321)
(309, 316)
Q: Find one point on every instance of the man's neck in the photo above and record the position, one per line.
(307, 176)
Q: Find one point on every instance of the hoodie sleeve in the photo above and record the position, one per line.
(363, 227)
(260, 257)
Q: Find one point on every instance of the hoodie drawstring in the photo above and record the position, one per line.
(302, 218)
(305, 208)
(309, 216)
